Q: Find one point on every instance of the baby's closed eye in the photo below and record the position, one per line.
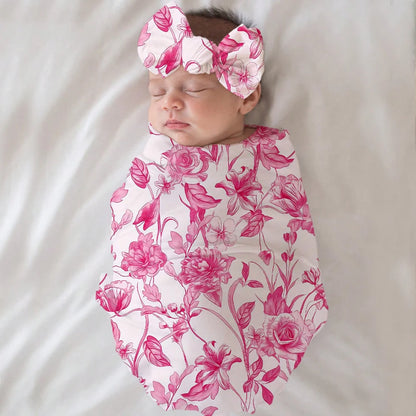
(194, 90)
(156, 92)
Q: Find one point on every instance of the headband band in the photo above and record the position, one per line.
(166, 42)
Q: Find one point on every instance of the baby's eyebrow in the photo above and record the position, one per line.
(155, 79)
(155, 82)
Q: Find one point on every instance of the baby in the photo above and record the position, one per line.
(216, 291)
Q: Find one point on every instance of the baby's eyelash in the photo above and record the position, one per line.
(195, 90)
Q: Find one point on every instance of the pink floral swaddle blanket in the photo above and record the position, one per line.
(216, 291)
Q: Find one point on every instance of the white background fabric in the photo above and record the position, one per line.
(339, 76)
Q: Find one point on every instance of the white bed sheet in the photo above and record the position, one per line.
(339, 77)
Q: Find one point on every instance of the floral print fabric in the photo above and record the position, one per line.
(166, 42)
(216, 291)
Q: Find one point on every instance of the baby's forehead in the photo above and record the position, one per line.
(181, 75)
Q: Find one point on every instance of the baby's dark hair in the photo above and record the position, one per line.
(214, 23)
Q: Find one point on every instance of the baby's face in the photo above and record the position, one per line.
(195, 109)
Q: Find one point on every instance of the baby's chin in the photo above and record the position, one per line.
(184, 137)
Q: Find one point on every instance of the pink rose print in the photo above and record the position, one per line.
(204, 270)
(143, 258)
(227, 292)
(214, 367)
(115, 296)
(288, 333)
(186, 161)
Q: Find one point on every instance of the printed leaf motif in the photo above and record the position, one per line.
(176, 243)
(190, 300)
(256, 367)
(154, 353)
(248, 385)
(202, 391)
(144, 35)
(163, 19)
(119, 194)
(271, 375)
(126, 218)
(209, 411)
(151, 292)
(255, 284)
(273, 159)
(148, 309)
(256, 221)
(266, 256)
(116, 331)
(149, 214)
(275, 303)
(182, 404)
(159, 394)
(171, 58)
(229, 45)
(244, 314)
(139, 173)
(169, 269)
(198, 197)
(245, 271)
(267, 395)
(174, 382)
(274, 308)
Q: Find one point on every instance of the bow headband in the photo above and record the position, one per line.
(166, 42)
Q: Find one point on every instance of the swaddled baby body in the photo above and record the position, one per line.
(216, 291)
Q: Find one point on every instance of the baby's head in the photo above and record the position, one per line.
(204, 75)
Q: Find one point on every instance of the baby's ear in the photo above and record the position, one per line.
(251, 101)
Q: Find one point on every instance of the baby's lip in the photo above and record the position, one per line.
(176, 124)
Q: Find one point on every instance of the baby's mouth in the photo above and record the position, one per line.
(176, 124)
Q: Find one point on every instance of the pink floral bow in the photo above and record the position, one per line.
(167, 42)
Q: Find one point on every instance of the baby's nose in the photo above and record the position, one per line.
(173, 100)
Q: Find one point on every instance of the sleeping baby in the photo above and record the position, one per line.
(215, 292)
